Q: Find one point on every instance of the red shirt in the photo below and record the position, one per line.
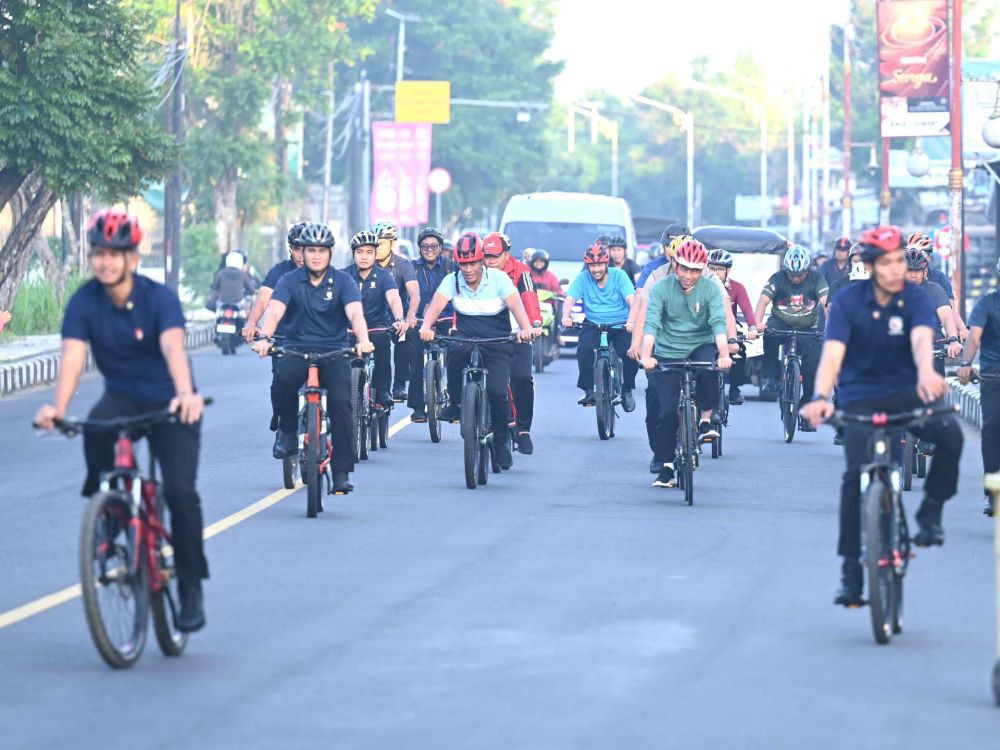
(520, 275)
(546, 280)
(738, 297)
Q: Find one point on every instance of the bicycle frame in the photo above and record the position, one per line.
(604, 350)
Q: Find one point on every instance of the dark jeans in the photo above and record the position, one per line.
(522, 386)
(402, 351)
(989, 400)
(335, 377)
(590, 337)
(668, 394)
(382, 375)
(942, 477)
(415, 393)
(809, 349)
(497, 360)
(176, 449)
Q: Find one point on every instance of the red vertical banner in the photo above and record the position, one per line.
(401, 156)
(913, 66)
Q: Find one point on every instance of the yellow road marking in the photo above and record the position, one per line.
(45, 603)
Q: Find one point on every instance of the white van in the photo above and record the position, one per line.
(565, 225)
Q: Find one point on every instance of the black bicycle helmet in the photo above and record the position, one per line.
(429, 232)
(617, 240)
(916, 259)
(314, 235)
(539, 254)
(294, 231)
(672, 231)
(363, 238)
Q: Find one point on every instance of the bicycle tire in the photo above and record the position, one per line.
(432, 388)
(486, 448)
(357, 413)
(470, 436)
(538, 355)
(314, 480)
(602, 398)
(383, 430)
(165, 602)
(791, 393)
(687, 463)
(908, 460)
(371, 422)
(878, 554)
(105, 521)
(289, 470)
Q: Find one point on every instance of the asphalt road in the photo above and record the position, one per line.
(567, 604)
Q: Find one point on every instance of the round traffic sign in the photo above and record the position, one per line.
(439, 180)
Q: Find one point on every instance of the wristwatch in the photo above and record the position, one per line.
(819, 397)
(734, 341)
(965, 363)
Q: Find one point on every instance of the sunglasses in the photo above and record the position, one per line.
(434, 246)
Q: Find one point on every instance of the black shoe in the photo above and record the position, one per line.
(587, 399)
(988, 510)
(340, 484)
(524, 444)
(665, 477)
(285, 444)
(628, 400)
(735, 397)
(707, 430)
(399, 395)
(852, 584)
(502, 455)
(655, 465)
(385, 399)
(192, 614)
(804, 426)
(929, 519)
(838, 437)
(451, 413)
(419, 415)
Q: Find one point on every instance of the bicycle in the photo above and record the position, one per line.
(721, 412)
(688, 443)
(369, 417)
(435, 392)
(315, 444)
(607, 378)
(790, 390)
(916, 452)
(885, 535)
(476, 421)
(126, 555)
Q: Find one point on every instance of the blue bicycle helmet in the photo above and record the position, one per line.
(720, 257)
(797, 259)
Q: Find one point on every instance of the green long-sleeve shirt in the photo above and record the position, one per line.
(681, 322)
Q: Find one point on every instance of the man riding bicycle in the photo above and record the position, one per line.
(409, 292)
(720, 263)
(607, 295)
(797, 293)
(936, 275)
(319, 302)
(483, 300)
(671, 233)
(496, 252)
(685, 319)
(840, 266)
(618, 249)
(917, 265)
(879, 350)
(135, 328)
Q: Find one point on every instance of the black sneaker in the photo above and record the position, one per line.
(524, 444)
(340, 484)
(735, 397)
(385, 399)
(852, 584)
(419, 415)
(192, 614)
(399, 395)
(502, 454)
(804, 426)
(665, 477)
(707, 430)
(988, 509)
(931, 532)
(451, 413)
(628, 400)
(587, 399)
(285, 444)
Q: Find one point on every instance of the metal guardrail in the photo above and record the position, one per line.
(966, 398)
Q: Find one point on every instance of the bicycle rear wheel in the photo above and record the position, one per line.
(383, 430)
(687, 462)
(538, 354)
(487, 448)
(165, 603)
(314, 478)
(432, 403)
(909, 459)
(471, 398)
(115, 599)
(289, 470)
(357, 412)
(603, 395)
(882, 579)
(791, 394)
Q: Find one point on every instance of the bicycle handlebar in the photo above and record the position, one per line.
(467, 340)
(881, 419)
(311, 356)
(598, 326)
(71, 427)
(804, 333)
(687, 364)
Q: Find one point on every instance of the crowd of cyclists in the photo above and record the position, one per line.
(887, 317)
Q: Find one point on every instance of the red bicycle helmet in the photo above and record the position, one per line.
(884, 238)
(692, 254)
(496, 243)
(844, 243)
(114, 229)
(596, 253)
(469, 248)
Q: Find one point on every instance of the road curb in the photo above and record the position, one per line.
(42, 369)
(966, 398)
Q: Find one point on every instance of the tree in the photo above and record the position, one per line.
(76, 114)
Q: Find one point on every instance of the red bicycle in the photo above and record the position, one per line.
(126, 557)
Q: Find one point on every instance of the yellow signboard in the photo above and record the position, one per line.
(423, 101)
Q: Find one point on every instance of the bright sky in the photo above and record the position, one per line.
(655, 37)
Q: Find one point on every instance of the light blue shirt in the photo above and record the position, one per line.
(603, 305)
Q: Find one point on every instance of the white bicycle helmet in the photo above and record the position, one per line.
(797, 259)
(234, 260)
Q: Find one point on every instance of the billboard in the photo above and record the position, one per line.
(401, 155)
(980, 89)
(913, 67)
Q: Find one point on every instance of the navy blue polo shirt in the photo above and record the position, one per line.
(986, 315)
(125, 341)
(649, 268)
(271, 281)
(429, 278)
(315, 314)
(879, 360)
(373, 291)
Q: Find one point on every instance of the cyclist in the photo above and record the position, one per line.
(483, 300)
(858, 271)
(430, 268)
(916, 273)
(672, 232)
(797, 293)
(448, 251)
(409, 292)
(135, 328)
(618, 248)
(879, 351)
(319, 303)
(685, 319)
(936, 275)
(840, 266)
(496, 251)
(719, 264)
(381, 306)
(984, 337)
(607, 294)
(542, 277)
(231, 285)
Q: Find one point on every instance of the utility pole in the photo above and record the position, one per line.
(172, 188)
(791, 163)
(328, 151)
(806, 166)
(846, 224)
(956, 175)
(825, 186)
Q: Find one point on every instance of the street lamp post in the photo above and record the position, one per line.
(955, 176)
(403, 18)
(597, 120)
(846, 222)
(686, 121)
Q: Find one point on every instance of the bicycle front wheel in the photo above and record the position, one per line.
(687, 462)
(909, 460)
(432, 389)
(357, 412)
(882, 579)
(115, 598)
(165, 603)
(471, 404)
(791, 394)
(603, 395)
(314, 478)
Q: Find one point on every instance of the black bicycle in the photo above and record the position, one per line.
(688, 446)
(886, 537)
(720, 415)
(608, 375)
(435, 391)
(369, 417)
(476, 421)
(790, 392)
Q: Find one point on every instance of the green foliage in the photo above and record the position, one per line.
(36, 309)
(199, 258)
(75, 105)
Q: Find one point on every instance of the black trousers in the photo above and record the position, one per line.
(809, 348)
(737, 375)
(942, 477)
(497, 359)
(335, 377)
(415, 393)
(989, 400)
(176, 448)
(401, 353)
(590, 337)
(382, 375)
(668, 395)
(522, 386)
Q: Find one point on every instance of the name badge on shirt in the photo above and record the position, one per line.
(895, 326)
(329, 294)
(139, 334)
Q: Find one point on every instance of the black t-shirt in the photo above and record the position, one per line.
(373, 290)
(796, 305)
(402, 271)
(315, 314)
